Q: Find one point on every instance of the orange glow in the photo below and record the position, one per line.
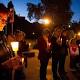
(78, 33)
(46, 21)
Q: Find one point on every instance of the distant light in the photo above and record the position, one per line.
(44, 21)
(69, 26)
(33, 33)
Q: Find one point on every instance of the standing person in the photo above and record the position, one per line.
(56, 47)
(23, 47)
(4, 54)
(58, 55)
(20, 36)
(78, 44)
(74, 53)
(64, 53)
(44, 53)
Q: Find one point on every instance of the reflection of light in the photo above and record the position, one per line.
(15, 46)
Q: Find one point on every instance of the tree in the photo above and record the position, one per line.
(35, 11)
(58, 11)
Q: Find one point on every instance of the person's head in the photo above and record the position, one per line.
(3, 16)
(64, 33)
(57, 31)
(20, 35)
(46, 32)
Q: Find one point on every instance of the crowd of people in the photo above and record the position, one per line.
(55, 46)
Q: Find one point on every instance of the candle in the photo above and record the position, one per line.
(15, 46)
(22, 60)
(79, 45)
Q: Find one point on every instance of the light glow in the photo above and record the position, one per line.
(78, 33)
(15, 46)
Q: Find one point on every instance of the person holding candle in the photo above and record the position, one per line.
(64, 53)
(4, 51)
(44, 52)
(55, 46)
(58, 56)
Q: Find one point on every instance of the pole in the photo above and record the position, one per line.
(12, 28)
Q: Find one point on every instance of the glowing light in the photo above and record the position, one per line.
(22, 60)
(15, 46)
(78, 33)
(69, 26)
(46, 21)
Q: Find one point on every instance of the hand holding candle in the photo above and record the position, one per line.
(15, 46)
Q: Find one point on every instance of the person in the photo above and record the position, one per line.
(64, 53)
(74, 52)
(44, 53)
(4, 53)
(58, 54)
(20, 37)
(23, 47)
(78, 44)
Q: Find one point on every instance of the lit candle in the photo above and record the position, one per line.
(15, 46)
(79, 45)
(61, 39)
(22, 60)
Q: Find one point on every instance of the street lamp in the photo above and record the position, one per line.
(15, 46)
(46, 21)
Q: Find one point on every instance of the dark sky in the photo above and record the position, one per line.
(76, 9)
(20, 7)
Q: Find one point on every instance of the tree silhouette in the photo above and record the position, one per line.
(58, 11)
(35, 11)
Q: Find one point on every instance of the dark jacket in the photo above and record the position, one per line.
(55, 47)
(42, 46)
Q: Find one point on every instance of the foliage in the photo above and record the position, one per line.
(58, 11)
(35, 11)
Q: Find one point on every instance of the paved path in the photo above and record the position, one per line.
(32, 71)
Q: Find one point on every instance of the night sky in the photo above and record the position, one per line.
(21, 9)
